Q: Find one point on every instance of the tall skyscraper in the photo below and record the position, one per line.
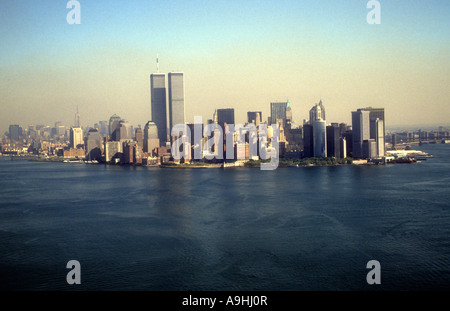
(308, 141)
(320, 138)
(76, 137)
(176, 99)
(288, 116)
(368, 124)
(315, 138)
(278, 111)
(317, 112)
(361, 131)
(114, 127)
(139, 137)
(333, 141)
(254, 117)
(225, 116)
(377, 133)
(103, 128)
(376, 113)
(125, 131)
(347, 138)
(93, 145)
(15, 132)
(214, 119)
(159, 104)
(151, 140)
(113, 151)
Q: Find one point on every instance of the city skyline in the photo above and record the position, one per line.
(250, 54)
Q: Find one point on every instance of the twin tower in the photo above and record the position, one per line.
(162, 98)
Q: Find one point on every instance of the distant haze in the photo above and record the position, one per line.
(236, 54)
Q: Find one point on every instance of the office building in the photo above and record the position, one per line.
(103, 128)
(131, 153)
(139, 137)
(113, 151)
(254, 117)
(369, 149)
(76, 137)
(377, 133)
(225, 116)
(368, 123)
(288, 124)
(176, 99)
(125, 131)
(347, 137)
(319, 138)
(158, 104)
(317, 112)
(151, 134)
(308, 141)
(15, 133)
(360, 131)
(114, 127)
(215, 119)
(343, 147)
(93, 145)
(333, 141)
(278, 111)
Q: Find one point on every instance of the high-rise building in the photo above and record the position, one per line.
(254, 117)
(317, 112)
(93, 145)
(76, 137)
(278, 111)
(369, 148)
(360, 132)
(114, 128)
(225, 116)
(320, 138)
(131, 153)
(159, 104)
(333, 141)
(103, 128)
(176, 99)
(343, 147)
(368, 123)
(377, 133)
(113, 151)
(15, 132)
(288, 125)
(125, 131)
(214, 119)
(342, 128)
(192, 127)
(151, 134)
(139, 137)
(347, 138)
(376, 113)
(308, 141)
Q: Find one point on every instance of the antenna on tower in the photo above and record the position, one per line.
(157, 63)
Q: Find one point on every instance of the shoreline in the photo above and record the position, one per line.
(178, 166)
(409, 157)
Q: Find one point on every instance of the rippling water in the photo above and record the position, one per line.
(137, 228)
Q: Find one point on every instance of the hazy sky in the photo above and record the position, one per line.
(239, 54)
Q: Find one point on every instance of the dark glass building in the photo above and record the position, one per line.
(333, 141)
